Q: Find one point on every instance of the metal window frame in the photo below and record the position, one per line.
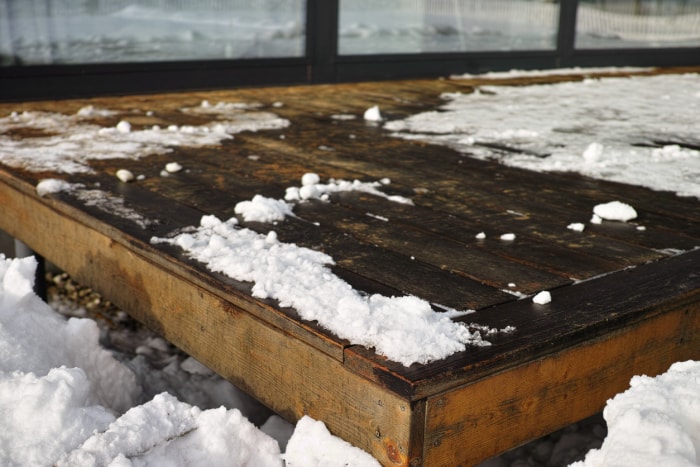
(321, 64)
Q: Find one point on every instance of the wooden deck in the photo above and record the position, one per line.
(623, 304)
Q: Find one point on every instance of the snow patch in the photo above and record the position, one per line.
(404, 329)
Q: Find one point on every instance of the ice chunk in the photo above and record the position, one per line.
(542, 298)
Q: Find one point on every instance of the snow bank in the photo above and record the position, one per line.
(61, 396)
(656, 422)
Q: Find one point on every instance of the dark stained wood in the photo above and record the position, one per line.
(625, 301)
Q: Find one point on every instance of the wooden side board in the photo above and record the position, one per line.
(467, 425)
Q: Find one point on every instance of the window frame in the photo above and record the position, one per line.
(320, 64)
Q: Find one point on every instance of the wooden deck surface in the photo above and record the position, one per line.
(624, 304)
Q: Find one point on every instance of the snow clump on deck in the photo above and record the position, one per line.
(542, 298)
(264, 209)
(403, 329)
(615, 211)
(373, 114)
(311, 188)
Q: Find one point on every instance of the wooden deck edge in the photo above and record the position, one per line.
(467, 425)
(291, 377)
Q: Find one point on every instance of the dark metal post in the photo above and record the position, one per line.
(321, 40)
(567, 31)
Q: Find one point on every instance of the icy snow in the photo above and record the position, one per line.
(576, 226)
(51, 185)
(173, 167)
(71, 141)
(625, 129)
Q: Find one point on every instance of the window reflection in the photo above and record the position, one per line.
(638, 23)
(413, 26)
(109, 31)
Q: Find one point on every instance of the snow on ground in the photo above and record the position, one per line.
(639, 130)
(66, 400)
(75, 394)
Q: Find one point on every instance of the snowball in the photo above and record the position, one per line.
(124, 127)
(125, 175)
(310, 179)
(52, 185)
(263, 209)
(481, 236)
(309, 192)
(173, 167)
(615, 211)
(508, 237)
(596, 219)
(373, 114)
(542, 298)
(576, 226)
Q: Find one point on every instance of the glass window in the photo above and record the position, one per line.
(110, 31)
(413, 26)
(638, 23)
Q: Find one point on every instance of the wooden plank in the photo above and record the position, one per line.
(469, 424)
(397, 271)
